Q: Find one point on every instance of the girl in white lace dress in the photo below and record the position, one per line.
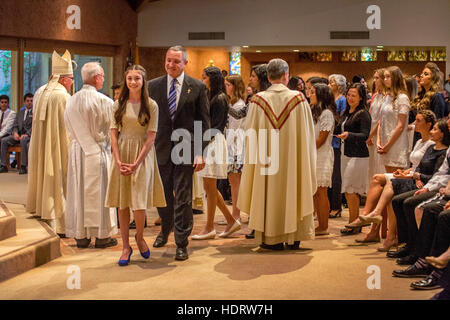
(392, 144)
(323, 108)
(375, 164)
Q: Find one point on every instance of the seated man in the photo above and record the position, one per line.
(432, 238)
(404, 205)
(441, 263)
(21, 134)
(7, 117)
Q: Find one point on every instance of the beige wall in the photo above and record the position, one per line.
(294, 23)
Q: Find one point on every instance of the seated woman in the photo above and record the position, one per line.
(425, 120)
(432, 160)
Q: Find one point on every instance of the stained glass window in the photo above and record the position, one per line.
(324, 56)
(349, 56)
(438, 55)
(368, 54)
(418, 55)
(235, 63)
(399, 55)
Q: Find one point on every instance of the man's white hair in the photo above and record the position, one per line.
(90, 70)
(276, 68)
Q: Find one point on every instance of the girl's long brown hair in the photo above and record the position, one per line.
(397, 82)
(144, 111)
(238, 87)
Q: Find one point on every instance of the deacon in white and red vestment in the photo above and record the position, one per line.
(277, 190)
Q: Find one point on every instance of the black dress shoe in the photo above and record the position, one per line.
(102, 243)
(278, 246)
(62, 235)
(403, 252)
(160, 241)
(23, 170)
(133, 225)
(13, 164)
(3, 169)
(181, 254)
(406, 261)
(196, 211)
(412, 272)
(83, 243)
(251, 235)
(294, 246)
(429, 283)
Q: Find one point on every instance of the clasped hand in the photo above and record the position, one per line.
(400, 174)
(127, 169)
(382, 149)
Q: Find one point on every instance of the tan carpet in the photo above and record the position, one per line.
(13, 187)
(330, 267)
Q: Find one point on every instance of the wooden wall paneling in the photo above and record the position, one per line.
(9, 43)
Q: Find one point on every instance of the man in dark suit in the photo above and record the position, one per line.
(181, 101)
(21, 134)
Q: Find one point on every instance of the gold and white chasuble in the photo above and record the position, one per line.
(48, 151)
(277, 190)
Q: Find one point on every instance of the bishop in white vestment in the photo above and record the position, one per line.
(277, 190)
(87, 118)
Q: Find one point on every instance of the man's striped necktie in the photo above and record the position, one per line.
(172, 99)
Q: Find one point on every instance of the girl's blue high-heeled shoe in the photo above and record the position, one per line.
(145, 254)
(123, 263)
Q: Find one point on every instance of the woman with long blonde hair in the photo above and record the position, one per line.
(429, 96)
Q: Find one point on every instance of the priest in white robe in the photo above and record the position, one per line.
(49, 144)
(279, 174)
(87, 118)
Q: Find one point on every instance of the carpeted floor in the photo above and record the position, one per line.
(329, 267)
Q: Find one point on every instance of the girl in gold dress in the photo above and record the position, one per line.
(134, 181)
